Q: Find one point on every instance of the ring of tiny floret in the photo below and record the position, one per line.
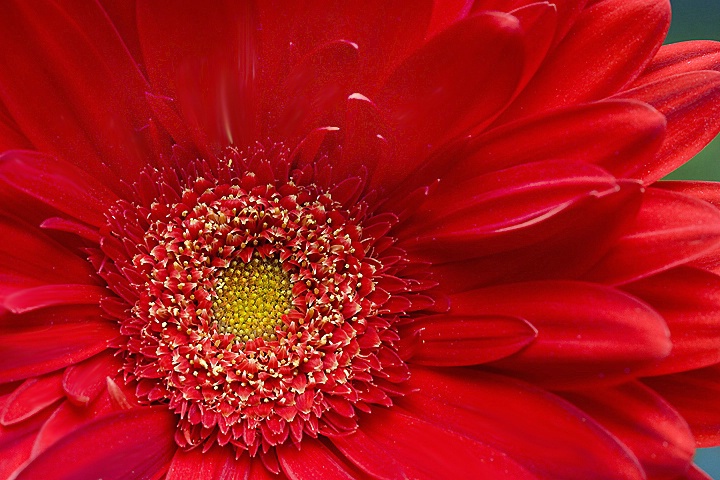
(327, 356)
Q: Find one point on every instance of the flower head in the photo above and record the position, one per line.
(352, 239)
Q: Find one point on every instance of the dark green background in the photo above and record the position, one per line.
(697, 20)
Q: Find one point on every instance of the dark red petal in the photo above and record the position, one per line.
(707, 191)
(316, 90)
(643, 421)
(364, 146)
(433, 96)
(689, 301)
(68, 59)
(32, 396)
(691, 105)
(129, 444)
(681, 57)
(587, 334)
(58, 184)
(455, 340)
(539, 21)
(40, 257)
(10, 135)
(207, 60)
(599, 55)
(496, 212)
(404, 445)
(311, 460)
(631, 133)
(32, 351)
(385, 32)
(545, 434)
(554, 251)
(53, 295)
(73, 227)
(84, 381)
(567, 11)
(218, 463)
(696, 395)
(69, 417)
(670, 229)
(16, 441)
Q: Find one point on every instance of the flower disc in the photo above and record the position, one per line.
(258, 316)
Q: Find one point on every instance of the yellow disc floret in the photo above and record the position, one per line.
(251, 298)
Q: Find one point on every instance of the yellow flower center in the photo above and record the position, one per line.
(252, 298)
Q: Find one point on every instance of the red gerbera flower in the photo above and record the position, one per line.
(355, 239)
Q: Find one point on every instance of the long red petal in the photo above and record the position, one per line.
(689, 301)
(587, 333)
(218, 463)
(543, 433)
(311, 460)
(682, 57)
(450, 340)
(670, 229)
(433, 96)
(696, 395)
(58, 184)
(423, 449)
(647, 424)
(84, 381)
(32, 351)
(54, 295)
(99, 112)
(32, 396)
(598, 56)
(129, 444)
(691, 105)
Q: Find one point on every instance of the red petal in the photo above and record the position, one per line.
(129, 444)
(691, 104)
(696, 395)
(218, 463)
(316, 90)
(670, 229)
(206, 73)
(54, 295)
(384, 31)
(58, 184)
(312, 460)
(599, 55)
(16, 441)
(69, 417)
(556, 252)
(689, 301)
(408, 446)
(495, 212)
(539, 21)
(587, 334)
(84, 381)
(32, 351)
(434, 96)
(454, 340)
(75, 65)
(681, 57)
(33, 395)
(631, 134)
(543, 433)
(642, 420)
(40, 257)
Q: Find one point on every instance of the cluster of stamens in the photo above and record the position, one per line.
(251, 299)
(260, 319)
